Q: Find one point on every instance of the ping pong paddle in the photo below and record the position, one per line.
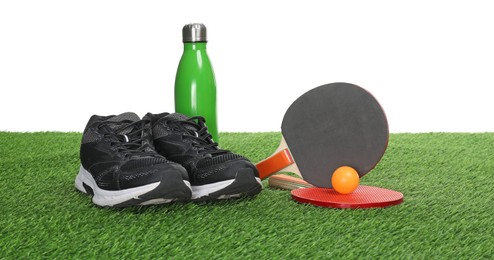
(287, 182)
(363, 197)
(333, 125)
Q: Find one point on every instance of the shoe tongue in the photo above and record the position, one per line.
(194, 128)
(177, 116)
(181, 117)
(125, 116)
(129, 116)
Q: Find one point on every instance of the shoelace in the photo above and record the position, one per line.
(200, 137)
(131, 143)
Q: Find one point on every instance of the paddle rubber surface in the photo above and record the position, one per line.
(337, 124)
(362, 197)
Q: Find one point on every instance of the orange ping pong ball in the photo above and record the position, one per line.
(345, 180)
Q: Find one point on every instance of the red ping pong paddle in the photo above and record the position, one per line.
(334, 125)
(362, 197)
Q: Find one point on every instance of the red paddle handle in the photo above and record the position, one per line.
(275, 163)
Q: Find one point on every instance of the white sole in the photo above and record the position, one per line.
(204, 190)
(108, 198)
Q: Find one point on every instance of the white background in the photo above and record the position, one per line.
(429, 63)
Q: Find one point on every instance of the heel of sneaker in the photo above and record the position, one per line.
(79, 181)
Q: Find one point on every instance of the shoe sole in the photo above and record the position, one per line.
(245, 184)
(173, 188)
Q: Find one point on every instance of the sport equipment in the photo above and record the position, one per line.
(362, 197)
(337, 124)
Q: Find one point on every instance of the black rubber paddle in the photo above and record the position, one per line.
(334, 125)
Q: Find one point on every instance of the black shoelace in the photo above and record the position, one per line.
(198, 133)
(131, 143)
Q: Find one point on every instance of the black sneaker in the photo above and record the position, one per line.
(214, 173)
(119, 166)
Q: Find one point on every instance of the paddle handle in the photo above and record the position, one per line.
(280, 160)
(287, 182)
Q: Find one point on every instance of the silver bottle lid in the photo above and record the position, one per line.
(194, 32)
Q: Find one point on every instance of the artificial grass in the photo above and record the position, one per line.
(447, 180)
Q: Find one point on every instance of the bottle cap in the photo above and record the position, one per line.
(194, 32)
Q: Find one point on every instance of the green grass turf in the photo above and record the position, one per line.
(448, 210)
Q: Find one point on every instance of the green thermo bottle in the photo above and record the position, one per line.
(195, 86)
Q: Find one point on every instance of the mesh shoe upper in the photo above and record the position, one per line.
(186, 141)
(118, 152)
